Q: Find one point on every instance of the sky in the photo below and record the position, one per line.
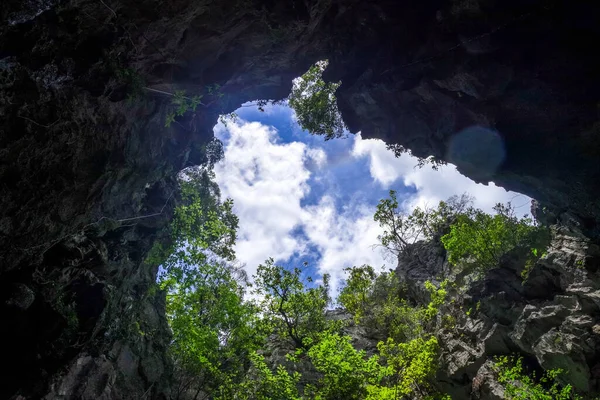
(301, 199)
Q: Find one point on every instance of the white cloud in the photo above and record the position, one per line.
(384, 167)
(344, 239)
(432, 186)
(318, 156)
(268, 180)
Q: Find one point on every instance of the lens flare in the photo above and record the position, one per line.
(477, 151)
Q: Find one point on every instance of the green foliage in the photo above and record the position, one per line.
(212, 325)
(474, 239)
(409, 356)
(402, 230)
(409, 365)
(201, 223)
(376, 300)
(214, 329)
(294, 311)
(180, 104)
(290, 308)
(399, 231)
(437, 298)
(263, 383)
(315, 105)
(521, 386)
(356, 296)
(478, 240)
(346, 371)
(218, 336)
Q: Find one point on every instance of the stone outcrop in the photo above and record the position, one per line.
(87, 177)
(551, 318)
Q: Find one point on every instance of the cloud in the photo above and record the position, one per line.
(344, 239)
(267, 180)
(282, 217)
(431, 186)
(384, 167)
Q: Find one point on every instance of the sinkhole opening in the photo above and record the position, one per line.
(299, 242)
(305, 189)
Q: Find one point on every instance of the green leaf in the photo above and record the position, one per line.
(315, 104)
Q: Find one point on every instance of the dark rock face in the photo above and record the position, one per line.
(424, 76)
(87, 177)
(551, 318)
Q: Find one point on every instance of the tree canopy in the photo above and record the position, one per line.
(315, 104)
(478, 240)
(290, 308)
(521, 385)
(474, 240)
(403, 229)
(227, 328)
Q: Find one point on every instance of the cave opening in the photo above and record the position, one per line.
(306, 200)
(303, 220)
(104, 102)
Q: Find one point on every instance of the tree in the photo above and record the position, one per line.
(214, 329)
(408, 356)
(472, 238)
(356, 295)
(262, 383)
(346, 372)
(379, 300)
(402, 230)
(408, 367)
(478, 240)
(201, 221)
(289, 307)
(315, 104)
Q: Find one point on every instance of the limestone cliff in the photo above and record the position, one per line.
(87, 176)
(551, 317)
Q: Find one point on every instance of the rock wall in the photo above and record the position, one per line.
(520, 71)
(88, 173)
(87, 176)
(552, 317)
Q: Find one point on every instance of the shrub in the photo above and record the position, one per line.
(346, 371)
(478, 240)
(521, 386)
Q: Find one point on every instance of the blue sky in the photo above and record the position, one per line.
(301, 198)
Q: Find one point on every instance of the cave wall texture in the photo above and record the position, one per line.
(87, 177)
(551, 319)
